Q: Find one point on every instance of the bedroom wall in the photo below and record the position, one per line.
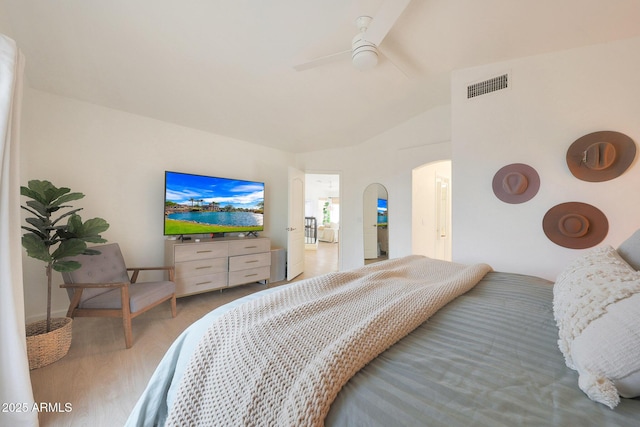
(118, 161)
(553, 100)
(387, 159)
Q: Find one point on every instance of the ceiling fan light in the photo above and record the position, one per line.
(365, 60)
(364, 54)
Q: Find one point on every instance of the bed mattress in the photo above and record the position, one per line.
(488, 358)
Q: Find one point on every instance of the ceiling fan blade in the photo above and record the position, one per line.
(322, 60)
(388, 14)
(401, 62)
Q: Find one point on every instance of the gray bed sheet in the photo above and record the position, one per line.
(488, 358)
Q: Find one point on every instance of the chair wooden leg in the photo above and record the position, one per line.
(173, 306)
(128, 334)
(126, 316)
(75, 301)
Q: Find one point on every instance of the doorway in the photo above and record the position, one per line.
(375, 223)
(431, 210)
(322, 223)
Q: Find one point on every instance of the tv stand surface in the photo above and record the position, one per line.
(210, 264)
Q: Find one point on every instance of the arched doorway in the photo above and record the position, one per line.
(375, 223)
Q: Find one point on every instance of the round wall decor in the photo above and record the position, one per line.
(601, 156)
(516, 183)
(575, 225)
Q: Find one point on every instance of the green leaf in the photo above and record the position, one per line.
(94, 239)
(66, 198)
(66, 265)
(39, 208)
(89, 230)
(39, 224)
(53, 193)
(94, 226)
(41, 235)
(36, 247)
(42, 191)
(68, 248)
(35, 190)
(66, 214)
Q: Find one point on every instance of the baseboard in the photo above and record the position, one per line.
(42, 316)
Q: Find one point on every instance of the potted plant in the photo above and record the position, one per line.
(326, 215)
(51, 240)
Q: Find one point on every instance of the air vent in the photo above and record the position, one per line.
(488, 86)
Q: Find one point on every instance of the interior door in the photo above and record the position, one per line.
(295, 228)
(443, 218)
(370, 222)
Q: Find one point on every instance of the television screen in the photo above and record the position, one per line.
(382, 212)
(198, 204)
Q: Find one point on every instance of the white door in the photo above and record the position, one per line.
(431, 210)
(443, 218)
(295, 228)
(370, 222)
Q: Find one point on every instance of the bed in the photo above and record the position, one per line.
(488, 357)
(329, 233)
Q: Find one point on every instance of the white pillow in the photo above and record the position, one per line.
(596, 305)
(629, 250)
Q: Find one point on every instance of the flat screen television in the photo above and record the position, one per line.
(382, 212)
(200, 204)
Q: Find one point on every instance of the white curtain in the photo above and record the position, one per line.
(15, 383)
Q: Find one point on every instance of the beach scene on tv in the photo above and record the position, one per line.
(382, 212)
(196, 204)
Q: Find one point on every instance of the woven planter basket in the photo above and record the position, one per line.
(44, 348)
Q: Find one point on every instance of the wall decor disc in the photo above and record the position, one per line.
(601, 156)
(516, 183)
(575, 225)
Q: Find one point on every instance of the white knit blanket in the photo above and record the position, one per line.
(281, 360)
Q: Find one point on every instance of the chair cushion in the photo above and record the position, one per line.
(140, 294)
(107, 267)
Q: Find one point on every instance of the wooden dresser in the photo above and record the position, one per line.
(218, 263)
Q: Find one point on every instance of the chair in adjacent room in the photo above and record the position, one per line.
(102, 288)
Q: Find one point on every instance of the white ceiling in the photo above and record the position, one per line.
(226, 67)
(322, 185)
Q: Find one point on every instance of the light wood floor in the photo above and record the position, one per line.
(102, 380)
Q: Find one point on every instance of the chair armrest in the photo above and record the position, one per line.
(94, 285)
(137, 270)
(79, 287)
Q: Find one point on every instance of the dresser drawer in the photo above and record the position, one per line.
(195, 251)
(244, 262)
(201, 267)
(249, 276)
(197, 284)
(249, 246)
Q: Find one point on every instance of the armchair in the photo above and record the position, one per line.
(102, 288)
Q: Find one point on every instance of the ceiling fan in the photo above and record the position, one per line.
(365, 46)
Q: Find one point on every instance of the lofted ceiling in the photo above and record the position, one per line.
(227, 67)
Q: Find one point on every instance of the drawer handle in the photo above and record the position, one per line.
(204, 267)
(203, 283)
(250, 247)
(250, 275)
(203, 252)
(249, 262)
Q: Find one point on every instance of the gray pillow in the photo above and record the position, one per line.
(629, 250)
